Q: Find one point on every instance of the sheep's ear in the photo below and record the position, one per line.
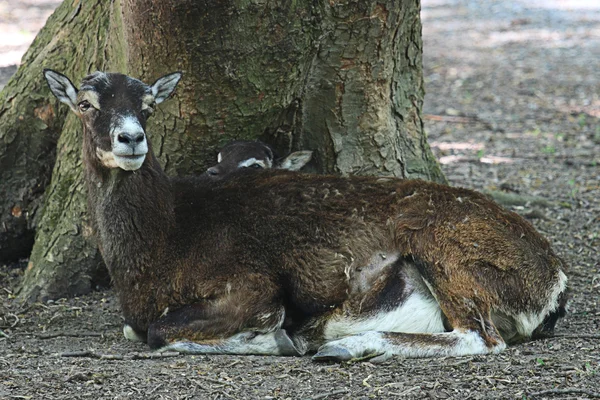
(163, 87)
(296, 160)
(62, 88)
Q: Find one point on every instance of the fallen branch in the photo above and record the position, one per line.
(216, 381)
(69, 334)
(151, 356)
(130, 356)
(564, 391)
(4, 334)
(92, 354)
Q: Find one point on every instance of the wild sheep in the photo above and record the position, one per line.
(254, 154)
(274, 262)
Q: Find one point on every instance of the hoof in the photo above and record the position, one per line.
(378, 358)
(332, 353)
(285, 344)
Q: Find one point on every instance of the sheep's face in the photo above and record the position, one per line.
(114, 109)
(241, 154)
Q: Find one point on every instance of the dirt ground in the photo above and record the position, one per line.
(512, 104)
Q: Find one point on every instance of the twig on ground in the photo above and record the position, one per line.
(92, 354)
(155, 388)
(151, 356)
(218, 382)
(407, 391)
(564, 391)
(83, 353)
(130, 356)
(4, 334)
(69, 334)
(589, 221)
(16, 319)
(325, 395)
(455, 364)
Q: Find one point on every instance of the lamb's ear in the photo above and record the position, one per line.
(62, 88)
(163, 87)
(296, 160)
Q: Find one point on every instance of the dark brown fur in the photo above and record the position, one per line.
(218, 258)
(297, 233)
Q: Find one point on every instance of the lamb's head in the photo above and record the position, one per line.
(114, 109)
(255, 155)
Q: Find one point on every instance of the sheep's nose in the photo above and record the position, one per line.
(212, 171)
(131, 139)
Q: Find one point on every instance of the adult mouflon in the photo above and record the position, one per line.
(285, 263)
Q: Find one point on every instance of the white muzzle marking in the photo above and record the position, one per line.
(128, 156)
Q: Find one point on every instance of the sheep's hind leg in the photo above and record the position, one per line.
(379, 346)
(473, 332)
(206, 328)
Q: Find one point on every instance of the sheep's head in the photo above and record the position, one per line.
(114, 109)
(255, 155)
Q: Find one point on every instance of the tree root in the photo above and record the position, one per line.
(119, 357)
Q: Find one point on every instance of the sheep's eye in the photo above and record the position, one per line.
(256, 166)
(84, 106)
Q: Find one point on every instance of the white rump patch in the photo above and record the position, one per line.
(526, 323)
(419, 313)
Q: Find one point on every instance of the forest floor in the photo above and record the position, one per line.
(512, 104)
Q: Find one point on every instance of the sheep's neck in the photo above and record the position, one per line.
(133, 216)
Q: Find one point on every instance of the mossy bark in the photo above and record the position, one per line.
(64, 259)
(30, 125)
(342, 78)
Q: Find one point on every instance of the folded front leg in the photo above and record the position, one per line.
(218, 327)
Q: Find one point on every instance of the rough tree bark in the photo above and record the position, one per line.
(342, 78)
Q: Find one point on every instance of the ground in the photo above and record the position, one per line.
(513, 105)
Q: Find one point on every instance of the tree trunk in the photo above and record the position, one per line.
(342, 78)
